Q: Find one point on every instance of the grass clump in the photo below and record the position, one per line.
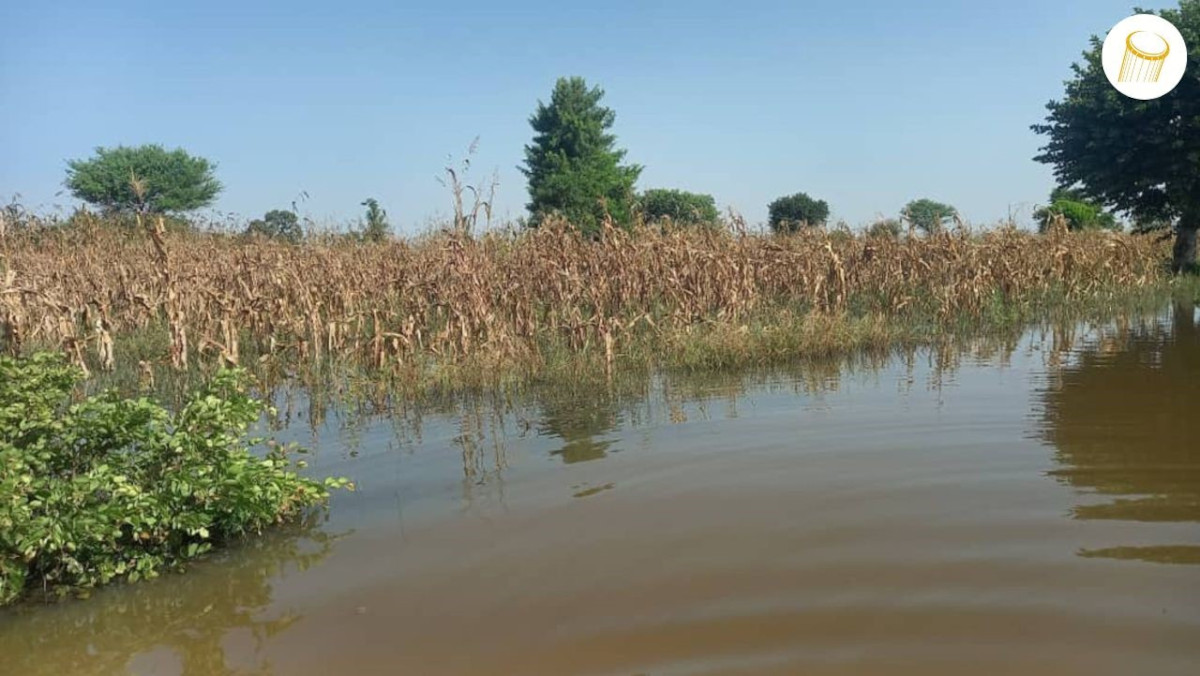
(107, 488)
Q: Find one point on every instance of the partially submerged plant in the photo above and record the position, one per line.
(111, 488)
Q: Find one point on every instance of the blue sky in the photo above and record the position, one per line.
(865, 104)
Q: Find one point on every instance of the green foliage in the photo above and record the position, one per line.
(145, 179)
(1076, 210)
(573, 165)
(928, 216)
(1139, 157)
(277, 224)
(109, 488)
(679, 206)
(375, 227)
(888, 227)
(790, 213)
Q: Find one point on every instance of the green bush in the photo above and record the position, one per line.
(1076, 210)
(680, 206)
(110, 488)
(790, 213)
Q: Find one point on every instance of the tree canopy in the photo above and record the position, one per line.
(1138, 157)
(573, 165)
(792, 212)
(143, 179)
(277, 224)
(927, 215)
(680, 206)
(1076, 210)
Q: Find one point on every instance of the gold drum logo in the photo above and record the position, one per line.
(1145, 54)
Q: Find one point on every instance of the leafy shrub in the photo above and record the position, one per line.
(277, 224)
(1076, 210)
(679, 206)
(111, 488)
(928, 216)
(790, 213)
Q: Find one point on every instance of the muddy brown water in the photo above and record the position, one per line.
(1029, 506)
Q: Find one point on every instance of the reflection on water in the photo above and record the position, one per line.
(580, 419)
(188, 627)
(886, 513)
(1124, 423)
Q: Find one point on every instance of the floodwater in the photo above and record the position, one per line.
(1026, 505)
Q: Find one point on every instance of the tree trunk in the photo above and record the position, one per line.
(1184, 256)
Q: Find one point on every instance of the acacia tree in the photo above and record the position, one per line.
(573, 165)
(1138, 157)
(928, 215)
(143, 179)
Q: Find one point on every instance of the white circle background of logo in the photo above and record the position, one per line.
(1173, 66)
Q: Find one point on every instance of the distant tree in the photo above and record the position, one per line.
(277, 224)
(1076, 210)
(1138, 157)
(375, 228)
(927, 215)
(573, 165)
(792, 212)
(145, 179)
(679, 206)
(887, 227)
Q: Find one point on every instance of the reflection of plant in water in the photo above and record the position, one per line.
(190, 614)
(1122, 419)
(581, 418)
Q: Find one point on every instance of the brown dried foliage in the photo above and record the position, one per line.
(449, 298)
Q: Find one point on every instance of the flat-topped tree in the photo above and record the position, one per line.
(573, 165)
(928, 216)
(144, 179)
(1138, 157)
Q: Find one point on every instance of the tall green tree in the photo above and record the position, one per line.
(927, 215)
(375, 224)
(143, 179)
(573, 165)
(1138, 157)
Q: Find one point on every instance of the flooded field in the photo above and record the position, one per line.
(1027, 506)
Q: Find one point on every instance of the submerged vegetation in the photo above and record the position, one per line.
(111, 488)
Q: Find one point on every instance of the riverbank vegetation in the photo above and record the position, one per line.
(109, 488)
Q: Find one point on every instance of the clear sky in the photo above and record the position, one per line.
(865, 104)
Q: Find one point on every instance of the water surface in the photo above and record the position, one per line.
(1026, 505)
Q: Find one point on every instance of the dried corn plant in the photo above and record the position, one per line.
(450, 298)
